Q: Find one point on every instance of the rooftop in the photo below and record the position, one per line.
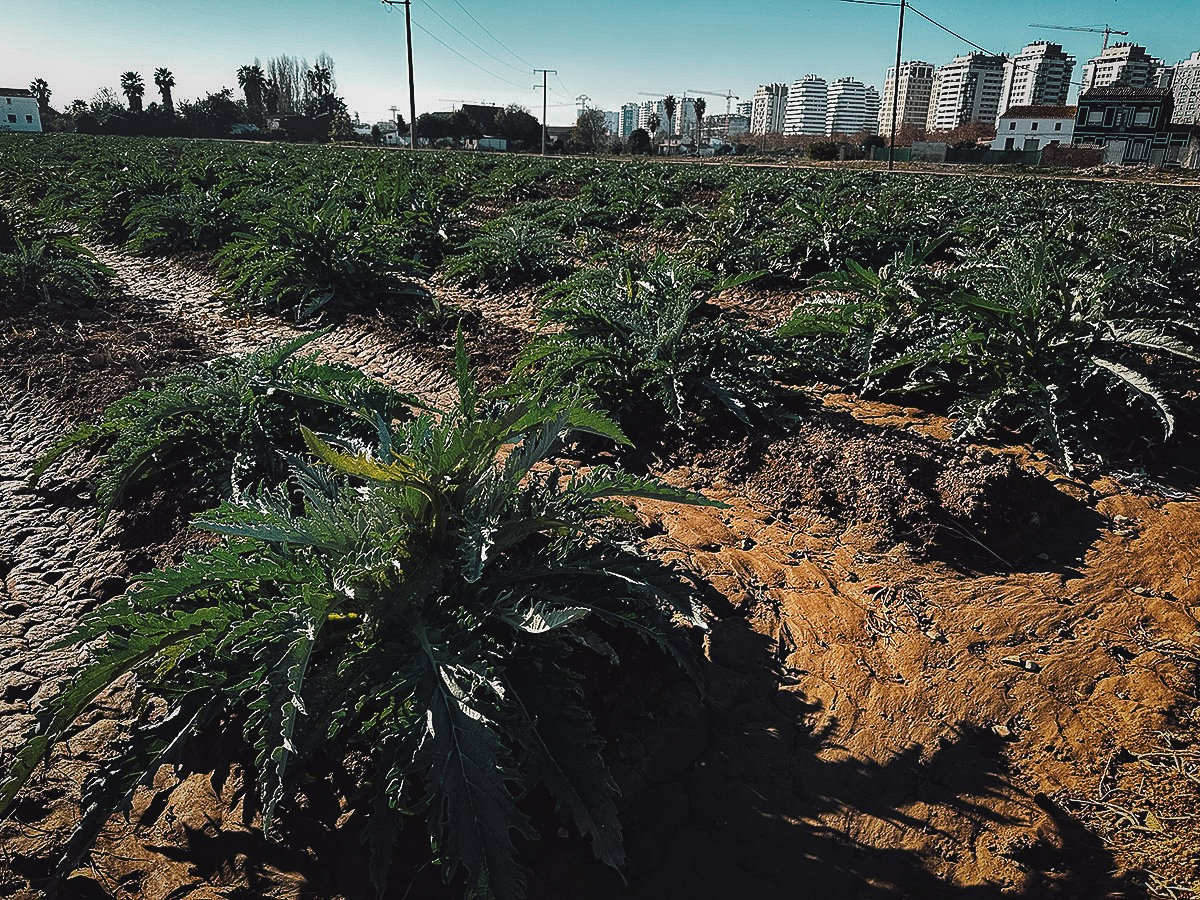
(1039, 112)
(1114, 92)
(15, 92)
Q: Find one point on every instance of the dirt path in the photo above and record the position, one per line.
(192, 296)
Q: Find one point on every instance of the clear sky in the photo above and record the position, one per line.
(609, 51)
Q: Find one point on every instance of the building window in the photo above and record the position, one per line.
(29, 120)
(1031, 144)
(1141, 117)
(1058, 126)
(1033, 127)
(1110, 116)
(1012, 126)
(1008, 143)
(12, 118)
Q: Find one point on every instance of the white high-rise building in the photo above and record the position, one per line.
(629, 119)
(1040, 75)
(1121, 65)
(1186, 91)
(916, 87)
(851, 107)
(966, 89)
(645, 110)
(806, 105)
(744, 108)
(769, 109)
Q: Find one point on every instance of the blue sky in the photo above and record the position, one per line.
(608, 51)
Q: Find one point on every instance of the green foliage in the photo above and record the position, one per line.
(300, 259)
(513, 253)
(1029, 335)
(646, 340)
(41, 263)
(425, 602)
(221, 427)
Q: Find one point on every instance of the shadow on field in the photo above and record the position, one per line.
(727, 797)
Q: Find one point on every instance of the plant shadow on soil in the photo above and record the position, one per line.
(731, 792)
(727, 787)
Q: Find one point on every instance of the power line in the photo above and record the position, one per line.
(1011, 60)
(466, 38)
(468, 59)
(485, 30)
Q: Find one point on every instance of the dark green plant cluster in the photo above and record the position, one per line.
(1031, 335)
(39, 263)
(509, 256)
(215, 430)
(423, 597)
(645, 339)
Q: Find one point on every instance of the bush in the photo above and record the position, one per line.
(824, 151)
(39, 263)
(214, 430)
(645, 340)
(422, 604)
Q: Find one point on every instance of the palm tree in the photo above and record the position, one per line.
(700, 105)
(133, 88)
(320, 80)
(253, 82)
(41, 91)
(165, 81)
(653, 123)
(670, 104)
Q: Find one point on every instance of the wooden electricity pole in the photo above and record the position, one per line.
(412, 89)
(545, 104)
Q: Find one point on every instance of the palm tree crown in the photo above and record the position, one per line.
(133, 88)
(41, 90)
(165, 81)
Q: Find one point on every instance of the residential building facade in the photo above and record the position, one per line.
(1034, 127)
(628, 122)
(851, 107)
(19, 110)
(1040, 75)
(1185, 90)
(769, 109)
(1121, 65)
(966, 89)
(719, 126)
(1134, 125)
(915, 86)
(649, 108)
(806, 104)
(744, 108)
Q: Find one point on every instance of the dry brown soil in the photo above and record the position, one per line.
(932, 670)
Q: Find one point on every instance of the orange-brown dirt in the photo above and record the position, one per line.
(932, 671)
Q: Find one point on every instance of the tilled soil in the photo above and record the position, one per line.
(932, 671)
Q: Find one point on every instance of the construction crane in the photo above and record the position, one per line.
(1107, 31)
(729, 96)
(682, 100)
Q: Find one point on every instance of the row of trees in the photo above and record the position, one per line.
(286, 88)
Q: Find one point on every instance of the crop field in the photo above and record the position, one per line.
(451, 525)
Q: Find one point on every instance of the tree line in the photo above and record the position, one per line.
(286, 98)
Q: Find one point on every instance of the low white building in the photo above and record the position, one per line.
(1034, 127)
(19, 110)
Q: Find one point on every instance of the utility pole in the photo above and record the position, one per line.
(545, 103)
(412, 89)
(896, 89)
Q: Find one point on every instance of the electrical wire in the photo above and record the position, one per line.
(468, 39)
(971, 43)
(468, 59)
(485, 30)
